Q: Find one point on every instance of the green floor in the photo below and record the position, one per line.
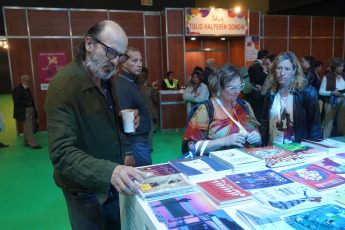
(29, 198)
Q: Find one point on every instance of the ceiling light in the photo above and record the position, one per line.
(237, 9)
(222, 39)
(192, 39)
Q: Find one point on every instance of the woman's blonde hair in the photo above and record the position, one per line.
(221, 77)
(298, 79)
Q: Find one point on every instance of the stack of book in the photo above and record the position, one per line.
(197, 167)
(276, 157)
(239, 161)
(169, 185)
(224, 193)
(159, 170)
(330, 146)
(301, 149)
(314, 176)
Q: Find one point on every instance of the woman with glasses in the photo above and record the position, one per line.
(232, 122)
(291, 110)
(196, 92)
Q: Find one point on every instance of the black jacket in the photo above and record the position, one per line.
(21, 99)
(313, 78)
(257, 77)
(306, 115)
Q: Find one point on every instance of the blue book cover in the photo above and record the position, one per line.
(259, 179)
(325, 217)
(218, 219)
(198, 165)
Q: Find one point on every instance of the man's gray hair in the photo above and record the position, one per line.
(24, 76)
(210, 62)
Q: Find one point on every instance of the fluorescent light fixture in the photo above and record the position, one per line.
(222, 39)
(192, 39)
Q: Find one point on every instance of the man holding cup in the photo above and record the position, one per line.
(136, 144)
(84, 131)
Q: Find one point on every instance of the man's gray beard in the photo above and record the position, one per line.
(96, 70)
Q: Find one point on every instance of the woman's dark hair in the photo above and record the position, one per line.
(310, 59)
(336, 62)
(93, 32)
(199, 75)
(221, 77)
(271, 57)
(170, 72)
(198, 68)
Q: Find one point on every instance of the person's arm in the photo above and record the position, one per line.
(322, 90)
(188, 95)
(204, 94)
(313, 114)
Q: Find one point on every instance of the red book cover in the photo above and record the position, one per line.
(222, 190)
(275, 156)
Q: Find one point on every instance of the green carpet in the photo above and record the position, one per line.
(29, 199)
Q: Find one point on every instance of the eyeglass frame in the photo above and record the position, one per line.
(118, 54)
(234, 89)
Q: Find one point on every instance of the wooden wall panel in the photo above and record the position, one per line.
(139, 44)
(275, 26)
(300, 47)
(237, 51)
(189, 44)
(75, 43)
(13, 16)
(48, 22)
(299, 26)
(164, 53)
(175, 22)
(254, 23)
(339, 47)
(132, 23)
(322, 49)
(275, 45)
(194, 59)
(219, 57)
(214, 43)
(154, 60)
(163, 24)
(46, 45)
(152, 25)
(81, 21)
(172, 121)
(176, 58)
(339, 27)
(322, 27)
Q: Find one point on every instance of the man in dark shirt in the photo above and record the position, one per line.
(130, 97)
(257, 75)
(209, 69)
(25, 111)
(84, 131)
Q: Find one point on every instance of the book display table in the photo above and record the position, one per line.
(297, 196)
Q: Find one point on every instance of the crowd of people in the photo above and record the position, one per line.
(282, 100)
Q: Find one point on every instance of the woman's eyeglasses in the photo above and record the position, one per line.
(233, 89)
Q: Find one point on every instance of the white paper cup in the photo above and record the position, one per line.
(128, 120)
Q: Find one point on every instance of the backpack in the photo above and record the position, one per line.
(210, 111)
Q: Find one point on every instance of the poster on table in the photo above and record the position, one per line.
(252, 44)
(216, 22)
(49, 63)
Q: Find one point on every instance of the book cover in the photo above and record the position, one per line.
(325, 217)
(332, 165)
(328, 145)
(314, 176)
(198, 165)
(300, 148)
(162, 185)
(218, 219)
(235, 157)
(259, 179)
(276, 157)
(181, 206)
(262, 223)
(159, 170)
(222, 190)
(341, 155)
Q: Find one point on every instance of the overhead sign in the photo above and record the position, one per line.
(216, 22)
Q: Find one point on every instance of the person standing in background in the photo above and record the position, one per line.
(170, 83)
(210, 67)
(25, 111)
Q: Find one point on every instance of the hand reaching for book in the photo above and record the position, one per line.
(122, 182)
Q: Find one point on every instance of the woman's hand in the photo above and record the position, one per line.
(253, 137)
(236, 139)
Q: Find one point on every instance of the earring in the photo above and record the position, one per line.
(293, 78)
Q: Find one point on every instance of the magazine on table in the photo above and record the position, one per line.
(159, 169)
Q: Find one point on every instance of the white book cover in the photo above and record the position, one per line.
(235, 157)
(329, 145)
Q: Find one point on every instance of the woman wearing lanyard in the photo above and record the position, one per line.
(291, 110)
(233, 121)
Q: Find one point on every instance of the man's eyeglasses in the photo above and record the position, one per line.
(113, 53)
(232, 89)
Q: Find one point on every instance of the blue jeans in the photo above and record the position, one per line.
(85, 213)
(142, 154)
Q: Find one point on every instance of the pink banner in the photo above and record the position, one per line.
(49, 63)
